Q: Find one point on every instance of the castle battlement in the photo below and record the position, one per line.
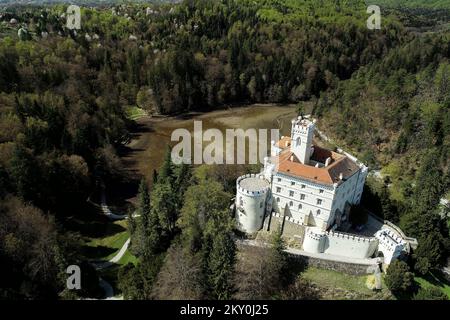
(314, 234)
(290, 219)
(302, 124)
(252, 187)
(390, 240)
(348, 236)
(277, 215)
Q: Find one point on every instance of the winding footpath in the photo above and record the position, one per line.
(107, 288)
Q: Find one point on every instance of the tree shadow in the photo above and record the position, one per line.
(436, 278)
(94, 229)
(96, 252)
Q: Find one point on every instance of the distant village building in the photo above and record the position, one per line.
(310, 191)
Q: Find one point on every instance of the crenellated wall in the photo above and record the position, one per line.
(313, 240)
(247, 192)
(349, 245)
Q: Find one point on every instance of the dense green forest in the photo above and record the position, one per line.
(384, 94)
(431, 4)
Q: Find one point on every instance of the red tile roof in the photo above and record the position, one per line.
(290, 165)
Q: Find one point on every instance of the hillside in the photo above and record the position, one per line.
(429, 4)
(67, 99)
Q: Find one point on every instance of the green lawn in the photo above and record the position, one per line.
(107, 247)
(432, 280)
(339, 281)
(128, 257)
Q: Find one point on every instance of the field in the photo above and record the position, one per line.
(134, 113)
(107, 247)
(433, 280)
(340, 286)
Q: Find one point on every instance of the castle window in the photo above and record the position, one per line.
(278, 189)
(261, 204)
(302, 197)
(291, 203)
(319, 201)
(278, 199)
(321, 191)
(291, 193)
(318, 212)
(292, 183)
(303, 186)
(279, 179)
(300, 206)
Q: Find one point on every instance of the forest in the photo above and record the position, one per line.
(64, 95)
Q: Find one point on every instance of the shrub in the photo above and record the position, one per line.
(399, 279)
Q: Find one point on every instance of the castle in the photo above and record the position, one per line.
(311, 190)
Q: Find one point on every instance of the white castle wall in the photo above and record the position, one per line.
(250, 206)
(353, 246)
(339, 244)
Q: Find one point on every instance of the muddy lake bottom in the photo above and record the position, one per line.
(151, 136)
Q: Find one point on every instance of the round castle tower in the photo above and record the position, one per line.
(252, 199)
(314, 240)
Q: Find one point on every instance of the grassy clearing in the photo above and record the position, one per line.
(338, 284)
(134, 113)
(107, 247)
(331, 278)
(128, 257)
(432, 280)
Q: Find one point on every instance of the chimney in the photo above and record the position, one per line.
(292, 158)
(341, 176)
(327, 162)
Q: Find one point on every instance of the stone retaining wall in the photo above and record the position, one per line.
(344, 267)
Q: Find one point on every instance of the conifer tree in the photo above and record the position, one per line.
(221, 265)
(144, 203)
(278, 257)
(166, 171)
(429, 182)
(155, 176)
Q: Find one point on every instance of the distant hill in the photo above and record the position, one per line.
(83, 2)
(429, 4)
